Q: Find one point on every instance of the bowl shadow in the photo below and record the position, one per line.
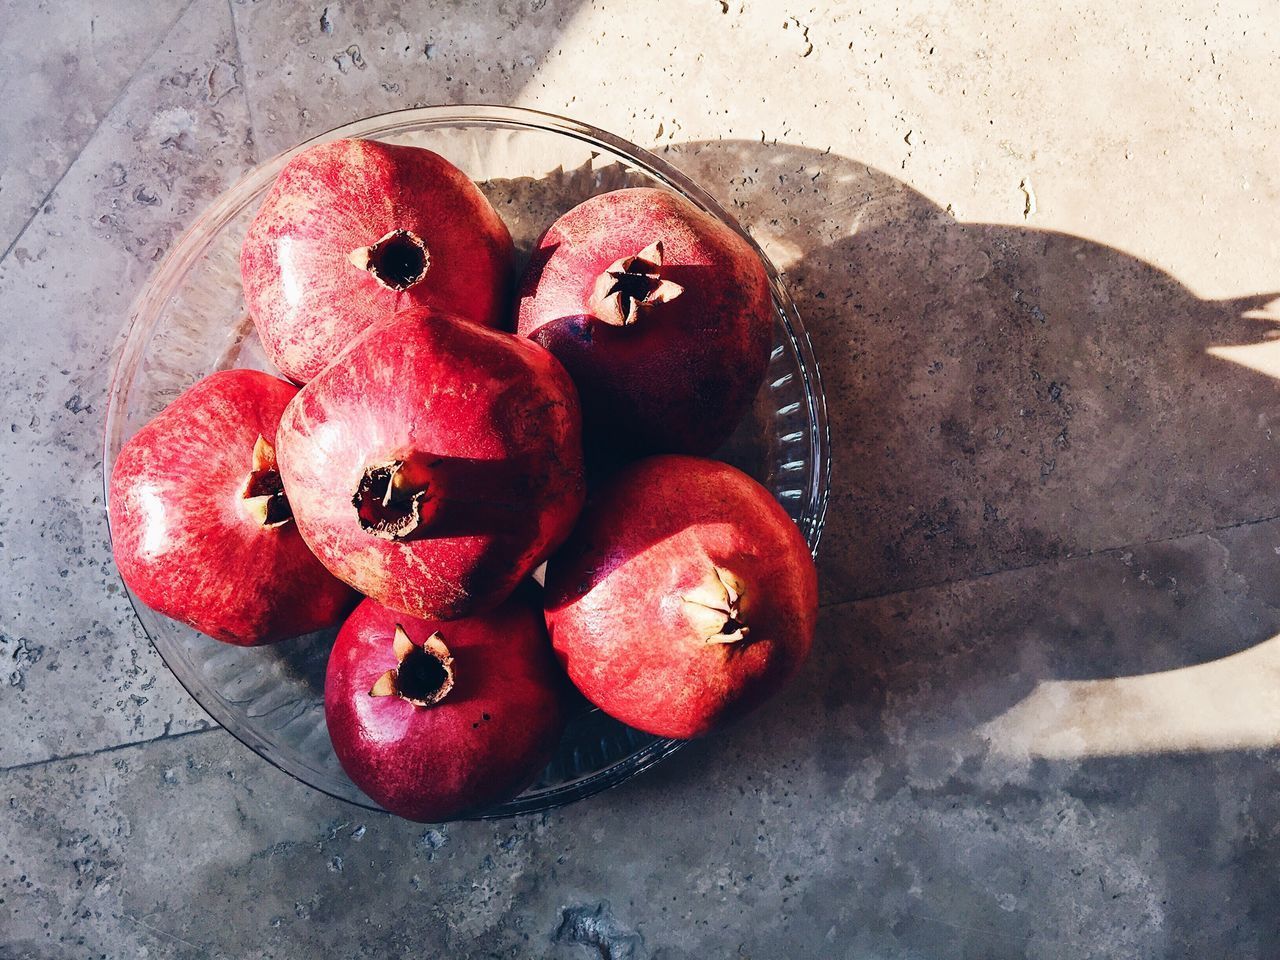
(1047, 471)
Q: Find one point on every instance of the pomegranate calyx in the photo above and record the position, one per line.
(397, 261)
(392, 498)
(631, 284)
(423, 675)
(715, 607)
(263, 492)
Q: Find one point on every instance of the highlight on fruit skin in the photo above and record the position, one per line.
(353, 231)
(433, 719)
(661, 313)
(436, 464)
(201, 526)
(685, 597)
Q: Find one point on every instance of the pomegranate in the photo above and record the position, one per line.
(685, 597)
(661, 314)
(436, 464)
(354, 230)
(200, 524)
(433, 719)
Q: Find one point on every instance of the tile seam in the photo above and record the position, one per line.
(120, 94)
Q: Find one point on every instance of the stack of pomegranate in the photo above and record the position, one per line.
(431, 460)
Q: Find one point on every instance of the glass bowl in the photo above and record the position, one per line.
(190, 320)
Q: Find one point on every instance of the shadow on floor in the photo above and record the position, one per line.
(1000, 396)
(1030, 436)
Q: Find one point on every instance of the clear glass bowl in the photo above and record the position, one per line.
(190, 320)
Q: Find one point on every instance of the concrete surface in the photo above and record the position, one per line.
(1036, 249)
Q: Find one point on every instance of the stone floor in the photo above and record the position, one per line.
(1038, 253)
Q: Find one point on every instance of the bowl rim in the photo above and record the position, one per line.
(228, 204)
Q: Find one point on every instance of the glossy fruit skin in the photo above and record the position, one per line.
(613, 598)
(182, 539)
(485, 741)
(682, 376)
(308, 301)
(485, 402)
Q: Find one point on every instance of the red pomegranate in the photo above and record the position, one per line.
(661, 314)
(434, 719)
(436, 464)
(354, 230)
(200, 525)
(685, 597)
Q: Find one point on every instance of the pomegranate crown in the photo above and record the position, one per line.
(632, 284)
(423, 675)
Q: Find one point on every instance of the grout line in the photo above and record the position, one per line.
(101, 750)
(244, 82)
(161, 934)
(45, 199)
(124, 88)
(987, 574)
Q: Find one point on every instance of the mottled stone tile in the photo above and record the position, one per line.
(870, 811)
(1070, 760)
(74, 63)
(311, 67)
(77, 674)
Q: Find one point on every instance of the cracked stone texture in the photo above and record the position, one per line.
(1036, 251)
